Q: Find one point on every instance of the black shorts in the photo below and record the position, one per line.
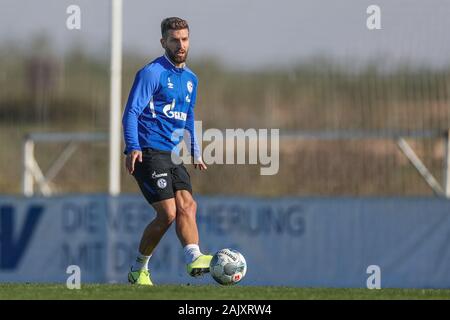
(158, 177)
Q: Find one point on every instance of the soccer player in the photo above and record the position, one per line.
(160, 103)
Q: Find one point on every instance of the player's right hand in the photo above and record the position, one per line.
(131, 159)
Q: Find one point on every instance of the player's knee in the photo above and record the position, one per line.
(167, 217)
(188, 208)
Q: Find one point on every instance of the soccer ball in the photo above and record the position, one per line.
(228, 267)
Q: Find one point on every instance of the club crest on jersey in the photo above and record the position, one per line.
(190, 86)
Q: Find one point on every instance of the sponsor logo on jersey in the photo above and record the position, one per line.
(168, 111)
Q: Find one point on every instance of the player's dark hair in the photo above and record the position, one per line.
(173, 23)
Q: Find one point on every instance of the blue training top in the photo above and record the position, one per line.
(160, 106)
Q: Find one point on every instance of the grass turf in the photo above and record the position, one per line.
(208, 292)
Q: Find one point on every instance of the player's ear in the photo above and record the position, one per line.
(163, 43)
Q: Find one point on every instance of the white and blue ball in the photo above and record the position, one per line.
(228, 267)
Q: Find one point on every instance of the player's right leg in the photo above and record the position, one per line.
(165, 215)
(154, 180)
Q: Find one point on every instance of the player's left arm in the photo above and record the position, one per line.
(190, 127)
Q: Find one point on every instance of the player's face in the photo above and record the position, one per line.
(176, 45)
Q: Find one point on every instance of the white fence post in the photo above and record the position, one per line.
(28, 161)
(447, 163)
(115, 98)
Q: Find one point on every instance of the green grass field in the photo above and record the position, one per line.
(209, 292)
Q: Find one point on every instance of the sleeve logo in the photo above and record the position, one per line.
(190, 86)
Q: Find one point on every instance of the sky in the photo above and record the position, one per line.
(246, 33)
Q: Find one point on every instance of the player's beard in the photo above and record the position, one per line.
(176, 58)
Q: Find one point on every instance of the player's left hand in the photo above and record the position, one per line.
(199, 164)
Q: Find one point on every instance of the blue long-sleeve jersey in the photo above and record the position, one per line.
(160, 105)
